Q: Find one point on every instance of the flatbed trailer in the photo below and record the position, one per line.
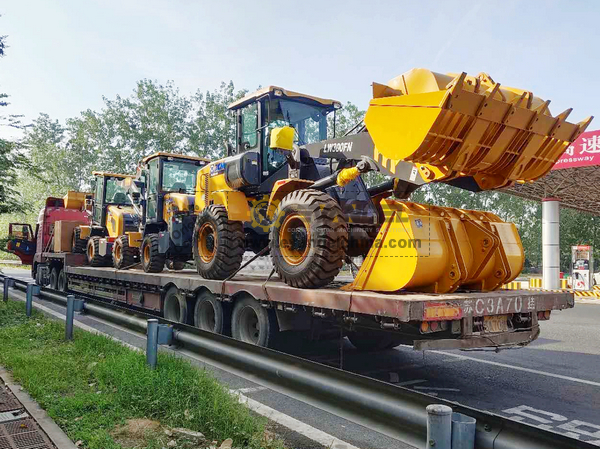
(256, 308)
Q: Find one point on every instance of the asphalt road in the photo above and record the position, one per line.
(553, 383)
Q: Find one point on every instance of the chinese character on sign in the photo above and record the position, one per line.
(570, 150)
(590, 145)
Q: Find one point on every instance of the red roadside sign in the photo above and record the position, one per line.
(585, 151)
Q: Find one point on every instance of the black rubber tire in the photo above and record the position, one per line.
(38, 277)
(123, 255)
(229, 244)
(371, 341)
(327, 243)
(254, 324)
(175, 306)
(54, 278)
(92, 253)
(211, 315)
(175, 265)
(78, 245)
(152, 260)
(62, 283)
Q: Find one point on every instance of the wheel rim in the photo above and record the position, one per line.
(294, 239)
(207, 242)
(249, 326)
(90, 251)
(117, 252)
(206, 318)
(147, 254)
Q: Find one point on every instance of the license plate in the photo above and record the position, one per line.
(496, 323)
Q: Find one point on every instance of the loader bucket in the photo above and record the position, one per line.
(437, 249)
(457, 125)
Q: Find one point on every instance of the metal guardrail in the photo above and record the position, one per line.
(392, 410)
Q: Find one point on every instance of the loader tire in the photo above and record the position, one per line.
(94, 258)
(309, 239)
(123, 255)
(78, 245)
(218, 243)
(152, 260)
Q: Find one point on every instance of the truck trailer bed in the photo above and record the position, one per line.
(139, 289)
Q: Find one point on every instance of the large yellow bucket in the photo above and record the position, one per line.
(459, 125)
(439, 250)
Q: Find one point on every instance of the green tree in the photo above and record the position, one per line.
(213, 124)
(12, 158)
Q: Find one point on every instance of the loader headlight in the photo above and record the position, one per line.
(337, 105)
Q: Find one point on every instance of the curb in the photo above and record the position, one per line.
(56, 435)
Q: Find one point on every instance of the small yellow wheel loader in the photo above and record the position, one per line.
(285, 186)
(164, 189)
(113, 215)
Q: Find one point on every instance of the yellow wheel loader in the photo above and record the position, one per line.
(113, 215)
(165, 188)
(285, 186)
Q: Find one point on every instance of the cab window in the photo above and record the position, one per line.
(249, 126)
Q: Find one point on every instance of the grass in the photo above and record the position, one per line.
(92, 386)
(19, 266)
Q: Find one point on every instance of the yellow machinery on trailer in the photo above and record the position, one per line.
(288, 187)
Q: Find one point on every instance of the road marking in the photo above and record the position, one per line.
(579, 430)
(329, 441)
(437, 388)
(411, 382)
(249, 390)
(520, 368)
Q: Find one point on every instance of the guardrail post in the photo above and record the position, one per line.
(70, 315)
(463, 431)
(152, 343)
(439, 426)
(32, 290)
(8, 282)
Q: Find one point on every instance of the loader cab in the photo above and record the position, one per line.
(165, 173)
(258, 113)
(108, 190)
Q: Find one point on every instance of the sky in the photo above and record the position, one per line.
(64, 56)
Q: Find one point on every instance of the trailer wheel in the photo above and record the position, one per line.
(252, 323)
(62, 283)
(211, 315)
(123, 255)
(54, 278)
(93, 256)
(368, 341)
(78, 245)
(152, 260)
(175, 265)
(218, 243)
(309, 239)
(175, 306)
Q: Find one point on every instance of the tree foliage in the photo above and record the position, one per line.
(157, 117)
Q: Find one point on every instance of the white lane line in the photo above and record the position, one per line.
(437, 388)
(411, 382)
(520, 368)
(249, 390)
(324, 439)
